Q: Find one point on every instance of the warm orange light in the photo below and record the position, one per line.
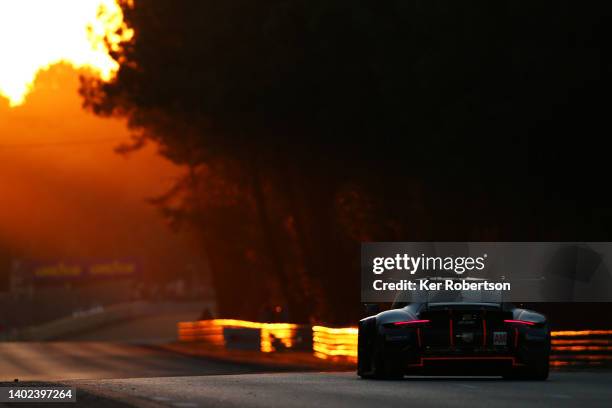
(573, 342)
(572, 333)
(211, 331)
(559, 363)
(341, 343)
(582, 348)
(330, 342)
(591, 357)
(36, 34)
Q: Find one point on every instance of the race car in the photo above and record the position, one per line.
(454, 336)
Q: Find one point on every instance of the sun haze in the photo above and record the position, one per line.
(36, 34)
(65, 193)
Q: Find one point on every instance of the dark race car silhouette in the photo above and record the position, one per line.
(455, 333)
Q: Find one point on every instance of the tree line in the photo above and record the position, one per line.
(309, 126)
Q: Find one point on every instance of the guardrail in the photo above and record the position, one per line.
(334, 343)
(569, 348)
(221, 332)
(581, 348)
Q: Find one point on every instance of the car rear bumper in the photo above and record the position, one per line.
(462, 365)
(465, 361)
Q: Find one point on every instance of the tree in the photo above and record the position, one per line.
(354, 120)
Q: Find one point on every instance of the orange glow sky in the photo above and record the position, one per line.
(79, 200)
(80, 32)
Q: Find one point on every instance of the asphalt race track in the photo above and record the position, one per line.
(114, 374)
(58, 361)
(593, 389)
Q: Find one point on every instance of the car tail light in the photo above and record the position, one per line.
(523, 322)
(410, 322)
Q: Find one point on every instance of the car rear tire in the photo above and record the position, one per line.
(385, 368)
(378, 366)
(539, 371)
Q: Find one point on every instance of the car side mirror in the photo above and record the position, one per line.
(371, 309)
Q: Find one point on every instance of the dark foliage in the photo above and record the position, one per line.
(351, 120)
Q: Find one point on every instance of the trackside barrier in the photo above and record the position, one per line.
(569, 348)
(581, 348)
(219, 332)
(334, 343)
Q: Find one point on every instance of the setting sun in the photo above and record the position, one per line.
(37, 34)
